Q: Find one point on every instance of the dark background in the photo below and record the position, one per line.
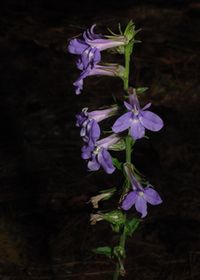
(44, 186)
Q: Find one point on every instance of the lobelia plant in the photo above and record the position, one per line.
(136, 191)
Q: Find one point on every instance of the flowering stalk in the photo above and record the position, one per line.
(96, 150)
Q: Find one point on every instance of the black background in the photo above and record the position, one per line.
(44, 185)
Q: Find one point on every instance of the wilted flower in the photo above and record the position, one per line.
(139, 196)
(98, 154)
(94, 218)
(102, 196)
(88, 121)
(115, 217)
(137, 119)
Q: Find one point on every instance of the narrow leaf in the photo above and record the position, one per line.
(131, 226)
(141, 90)
(106, 250)
(117, 164)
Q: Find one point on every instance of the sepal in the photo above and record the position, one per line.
(130, 31)
(119, 146)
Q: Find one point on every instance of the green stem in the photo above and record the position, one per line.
(128, 149)
(116, 273)
(127, 66)
(126, 186)
(122, 241)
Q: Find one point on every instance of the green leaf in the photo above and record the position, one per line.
(106, 250)
(141, 90)
(131, 226)
(117, 164)
(115, 227)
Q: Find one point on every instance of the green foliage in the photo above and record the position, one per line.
(141, 90)
(131, 226)
(106, 250)
(117, 164)
(130, 31)
(116, 227)
(116, 218)
(119, 253)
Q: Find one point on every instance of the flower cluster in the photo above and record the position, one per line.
(95, 150)
(89, 48)
(135, 119)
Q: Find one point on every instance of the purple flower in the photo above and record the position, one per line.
(139, 197)
(98, 155)
(88, 50)
(88, 121)
(114, 70)
(103, 42)
(88, 56)
(137, 119)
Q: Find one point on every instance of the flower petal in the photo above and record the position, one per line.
(150, 120)
(93, 164)
(137, 130)
(135, 184)
(146, 106)
(86, 152)
(77, 46)
(128, 106)
(100, 115)
(151, 196)
(96, 56)
(134, 101)
(93, 132)
(78, 85)
(108, 141)
(129, 200)
(79, 82)
(90, 56)
(122, 123)
(105, 160)
(141, 205)
(103, 44)
(80, 119)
